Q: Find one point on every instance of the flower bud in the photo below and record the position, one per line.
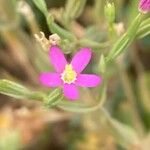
(144, 6)
(110, 12)
(54, 39)
(44, 42)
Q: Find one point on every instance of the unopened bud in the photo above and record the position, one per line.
(110, 12)
(54, 39)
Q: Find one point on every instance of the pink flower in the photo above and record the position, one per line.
(144, 6)
(68, 75)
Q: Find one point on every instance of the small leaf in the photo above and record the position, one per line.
(135, 25)
(54, 28)
(41, 5)
(73, 9)
(18, 91)
(144, 29)
(13, 89)
(93, 44)
(53, 98)
(121, 45)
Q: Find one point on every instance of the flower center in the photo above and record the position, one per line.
(69, 75)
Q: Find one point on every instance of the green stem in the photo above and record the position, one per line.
(93, 44)
(79, 108)
(130, 96)
(126, 39)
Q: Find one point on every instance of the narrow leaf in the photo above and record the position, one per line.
(41, 5)
(18, 91)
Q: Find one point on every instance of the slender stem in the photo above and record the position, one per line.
(126, 83)
(141, 81)
(81, 108)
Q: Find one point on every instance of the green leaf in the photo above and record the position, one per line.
(13, 89)
(54, 28)
(53, 98)
(119, 47)
(41, 5)
(93, 44)
(134, 27)
(126, 39)
(144, 29)
(73, 9)
(144, 23)
(143, 32)
(18, 91)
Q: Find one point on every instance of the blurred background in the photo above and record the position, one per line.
(27, 125)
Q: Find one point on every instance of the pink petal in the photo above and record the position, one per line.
(144, 6)
(88, 80)
(71, 91)
(57, 58)
(81, 59)
(50, 79)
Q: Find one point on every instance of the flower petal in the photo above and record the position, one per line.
(57, 58)
(71, 91)
(81, 59)
(88, 80)
(50, 79)
(144, 6)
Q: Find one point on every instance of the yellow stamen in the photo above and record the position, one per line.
(69, 75)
